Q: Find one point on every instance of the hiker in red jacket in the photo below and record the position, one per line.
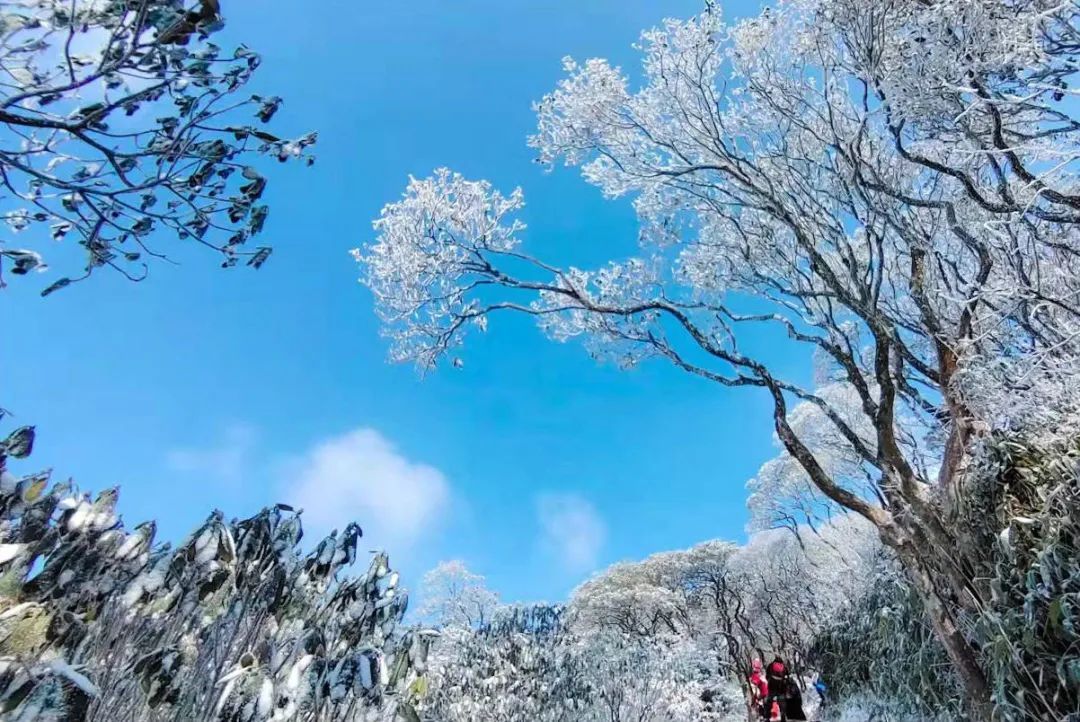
(759, 688)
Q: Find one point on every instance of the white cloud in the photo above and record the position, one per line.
(571, 529)
(360, 476)
(228, 460)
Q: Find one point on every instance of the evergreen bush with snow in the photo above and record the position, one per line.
(238, 623)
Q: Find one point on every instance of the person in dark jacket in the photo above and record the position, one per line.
(776, 676)
(793, 708)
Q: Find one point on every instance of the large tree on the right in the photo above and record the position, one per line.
(888, 185)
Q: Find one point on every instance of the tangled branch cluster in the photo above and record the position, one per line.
(120, 120)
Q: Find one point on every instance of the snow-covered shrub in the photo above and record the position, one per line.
(632, 678)
(1023, 512)
(866, 708)
(535, 662)
(1019, 524)
(102, 623)
(879, 655)
(511, 668)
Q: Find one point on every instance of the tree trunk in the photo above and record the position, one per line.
(962, 654)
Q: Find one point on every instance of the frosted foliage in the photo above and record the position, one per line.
(939, 52)
(237, 623)
(592, 108)
(793, 585)
(859, 710)
(665, 638)
(692, 167)
(639, 679)
(578, 308)
(553, 675)
(548, 663)
(430, 256)
(834, 563)
(647, 598)
(568, 125)
(769, 596)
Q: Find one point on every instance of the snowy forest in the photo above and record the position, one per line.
(886, 191)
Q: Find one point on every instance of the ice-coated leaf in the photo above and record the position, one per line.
(23, 261)
(19, 444)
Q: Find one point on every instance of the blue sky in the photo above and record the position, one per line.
(201, 387)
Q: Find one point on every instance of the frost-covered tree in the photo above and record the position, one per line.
(454, 596)
(689, 602)
(667, 638)
(650, 599)
(529, 663)
(889, 186)
(795, 586)
(781, 495)
(121, 123)
(235, 624)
